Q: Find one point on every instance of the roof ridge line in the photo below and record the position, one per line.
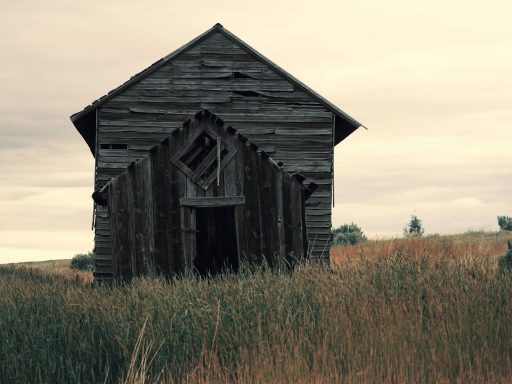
(83, 121)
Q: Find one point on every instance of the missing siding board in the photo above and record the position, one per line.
(247, 93)
(240, 75)
(113, 146)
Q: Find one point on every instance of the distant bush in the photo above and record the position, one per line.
(83, 262)
(347, 234)
(505, 262)
(414, 227)
(505, 223)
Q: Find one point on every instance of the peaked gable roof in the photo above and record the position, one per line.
(84, 120)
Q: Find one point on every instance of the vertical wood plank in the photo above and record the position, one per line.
(296, 221)
(124, 230)
(148, 230)
(177, 187)
(268, 180)
(280, 221)
(160, 211)
(192, 239)
(240, 222)
(305, 241)
(287, 219)
(230, 179)
(230, 173)
(188, 227)
(131, 217)
(139, 219)
(252, 205)
(116, 227)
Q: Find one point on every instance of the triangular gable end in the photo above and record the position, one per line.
(205, 149)
(209, 122)
(85, 120)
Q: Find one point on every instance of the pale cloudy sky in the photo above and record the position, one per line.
(431, 80)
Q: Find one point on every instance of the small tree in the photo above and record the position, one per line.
(505, 223)
(83, 262)
(414, 228)
(347, 234)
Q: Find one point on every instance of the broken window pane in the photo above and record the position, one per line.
(197, 152)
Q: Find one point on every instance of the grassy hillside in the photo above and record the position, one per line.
(396, 311)
(472, 244)
(56, 267)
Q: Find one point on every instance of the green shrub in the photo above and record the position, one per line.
(347, 234)
(414, 227)
(83, 262)
(505, 223)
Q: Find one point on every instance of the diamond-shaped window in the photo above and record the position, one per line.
(198, 150)
(200, 156)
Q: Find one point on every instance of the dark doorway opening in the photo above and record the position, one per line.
(216, 242)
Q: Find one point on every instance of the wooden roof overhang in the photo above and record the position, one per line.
(85, 120)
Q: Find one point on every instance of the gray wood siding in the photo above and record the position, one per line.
(268, 207)
(222, 77)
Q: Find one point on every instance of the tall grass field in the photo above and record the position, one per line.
(416, 310)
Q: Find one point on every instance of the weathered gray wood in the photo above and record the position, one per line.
(287, 219)
(305, 242)
(297, 209)
(139, 218)
(177, 185)
(148, 236)
(252, 205)
(268, 179)
(223, 164)
(117, 228)
(268, 222)
(230, 176)
(284, 122)
(121, 227)
(188, 233)
(212, 201)
(280, 222)
(131, 233)
(163, 253)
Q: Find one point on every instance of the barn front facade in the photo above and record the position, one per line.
(220, 73)
(204, 201)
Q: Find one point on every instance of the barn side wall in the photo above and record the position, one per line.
(220, 76)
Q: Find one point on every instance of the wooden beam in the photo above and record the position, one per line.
(212, 201)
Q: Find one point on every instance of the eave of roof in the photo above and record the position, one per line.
(347, 121)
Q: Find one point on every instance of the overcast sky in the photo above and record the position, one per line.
(431, 80)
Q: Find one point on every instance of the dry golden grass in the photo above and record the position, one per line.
(451, 247)
(59, 267)
(432, 310)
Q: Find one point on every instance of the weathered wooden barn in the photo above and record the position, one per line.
(204, 201)
(219, 72)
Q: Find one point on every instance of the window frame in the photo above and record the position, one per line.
(203, 166)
